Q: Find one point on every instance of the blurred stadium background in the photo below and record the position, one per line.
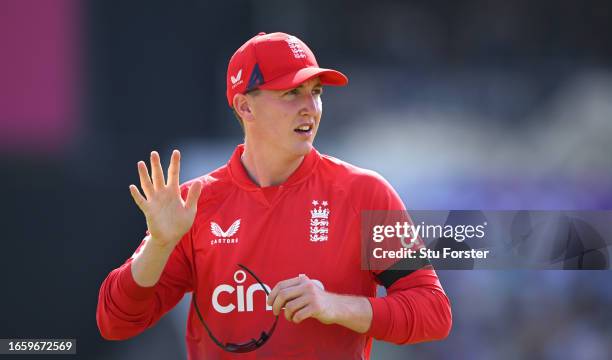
(460, 105)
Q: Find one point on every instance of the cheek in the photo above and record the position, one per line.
(277, 123)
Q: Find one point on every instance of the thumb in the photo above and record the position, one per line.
(193, 195)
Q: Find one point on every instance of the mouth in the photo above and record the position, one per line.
(304, 129)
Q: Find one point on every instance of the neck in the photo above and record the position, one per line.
(266, 167)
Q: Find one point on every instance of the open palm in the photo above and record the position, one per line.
(168, 216)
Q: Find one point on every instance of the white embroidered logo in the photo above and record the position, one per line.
(296, 48)
(236, 79)
(319, 221)
(217, 231)
(224, 237)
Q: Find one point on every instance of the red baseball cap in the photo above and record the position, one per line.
(275, 61)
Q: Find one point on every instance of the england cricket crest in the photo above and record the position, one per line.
(319, 221)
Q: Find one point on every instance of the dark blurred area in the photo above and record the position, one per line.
(94, 86)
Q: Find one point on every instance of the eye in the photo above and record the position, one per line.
(292, 92)
(317, 91)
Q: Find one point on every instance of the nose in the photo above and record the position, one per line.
(311, 106)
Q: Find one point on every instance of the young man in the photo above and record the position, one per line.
(279, 213)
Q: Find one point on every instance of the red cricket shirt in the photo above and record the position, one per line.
(308, 225)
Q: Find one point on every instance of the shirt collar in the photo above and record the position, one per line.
(241, 177)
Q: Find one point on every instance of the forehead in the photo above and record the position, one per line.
(311, 83)
(306, 84)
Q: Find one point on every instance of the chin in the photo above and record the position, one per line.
(303, 149)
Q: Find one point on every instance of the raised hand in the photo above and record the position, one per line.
(168, 216)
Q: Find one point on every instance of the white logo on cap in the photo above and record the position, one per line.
(296, 48)
(236, 80)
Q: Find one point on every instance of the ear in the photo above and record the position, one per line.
(243, 107)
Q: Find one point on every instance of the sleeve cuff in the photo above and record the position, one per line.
(381, 317)
(131, 288)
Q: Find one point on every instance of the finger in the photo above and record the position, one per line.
(302, 314)
(138, 198)
(280, 286)
(174, 169)
(285, 295)
(294, 306)
(156, 171)
(145, 180)
(193, 195)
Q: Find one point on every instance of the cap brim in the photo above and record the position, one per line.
(292, 80)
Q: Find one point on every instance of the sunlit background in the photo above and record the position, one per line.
(459, 104)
